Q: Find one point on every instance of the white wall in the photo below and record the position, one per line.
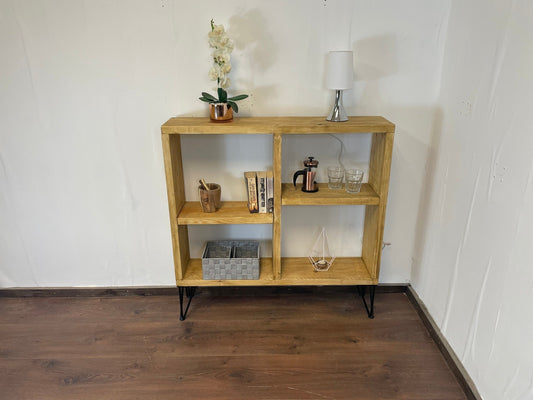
(473, 267)
(86, 86)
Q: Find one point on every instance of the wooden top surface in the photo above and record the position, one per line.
(283, 125)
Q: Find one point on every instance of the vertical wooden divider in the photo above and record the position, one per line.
(176, 200)
(276, 225)
(378, 178)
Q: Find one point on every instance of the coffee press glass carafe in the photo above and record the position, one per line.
(309, 184)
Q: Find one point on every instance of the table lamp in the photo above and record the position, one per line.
(339, 77)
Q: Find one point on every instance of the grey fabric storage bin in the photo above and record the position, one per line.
(242, 261)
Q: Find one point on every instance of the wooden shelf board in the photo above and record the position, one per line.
(319, 125)
(203, 125)
(295, 272)
(231, 212)
(344, 271)
(282, 125)
(293, 196)
(193, 276)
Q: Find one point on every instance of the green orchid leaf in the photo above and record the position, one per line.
(206, 100)
(222, 95)
(209, 96)
(239, 97)
(233, 105)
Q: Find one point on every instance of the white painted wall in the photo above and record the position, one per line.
(473, 258)
(86, 86)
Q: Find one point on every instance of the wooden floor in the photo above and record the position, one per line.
(250, 344)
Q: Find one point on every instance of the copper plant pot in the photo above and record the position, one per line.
(220, 112)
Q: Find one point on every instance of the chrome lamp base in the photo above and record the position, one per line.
(337, 114)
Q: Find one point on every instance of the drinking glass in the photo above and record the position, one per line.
(335, 175)
(354, 179)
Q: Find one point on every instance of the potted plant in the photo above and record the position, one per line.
(221, 108)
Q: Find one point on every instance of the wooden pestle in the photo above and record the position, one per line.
(204, 185)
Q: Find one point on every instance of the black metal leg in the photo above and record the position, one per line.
(362, 292)
(189, 292)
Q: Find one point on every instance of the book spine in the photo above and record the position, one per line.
(251, 188)
(270, 191)
(262, 191)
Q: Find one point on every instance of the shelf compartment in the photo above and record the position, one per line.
(344, 271)
(193, 276)
(231, 212)
(293, 196)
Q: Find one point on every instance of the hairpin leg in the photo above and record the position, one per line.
(189, 292)
(362, 292)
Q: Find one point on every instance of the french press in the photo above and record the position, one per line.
(309, 185)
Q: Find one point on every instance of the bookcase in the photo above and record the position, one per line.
(278, 270)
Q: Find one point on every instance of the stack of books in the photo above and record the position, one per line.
(260, 189)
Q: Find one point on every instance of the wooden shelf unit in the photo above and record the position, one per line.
(280, 271)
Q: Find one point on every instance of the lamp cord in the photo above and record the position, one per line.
(341, 149)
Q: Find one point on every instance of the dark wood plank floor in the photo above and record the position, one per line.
(254, 344)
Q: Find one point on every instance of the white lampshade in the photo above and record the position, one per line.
(339, 70)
